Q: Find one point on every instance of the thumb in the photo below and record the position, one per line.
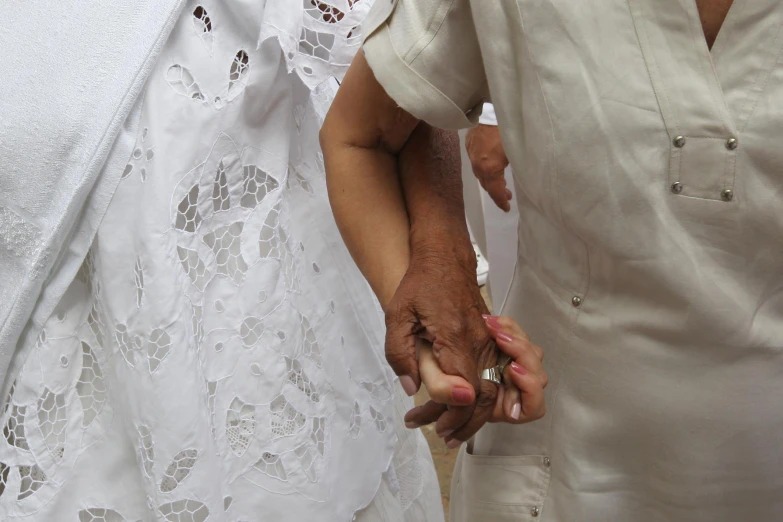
(496, 188)
(401, 348)
(442, 388)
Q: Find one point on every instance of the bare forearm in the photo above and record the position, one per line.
(432, 185)
(362, 137)
(367, 201)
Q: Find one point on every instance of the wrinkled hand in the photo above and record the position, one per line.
(521, 396)
(439, 300)
(489, 162)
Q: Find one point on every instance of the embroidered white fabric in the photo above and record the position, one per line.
(219, 356)
(319, 41)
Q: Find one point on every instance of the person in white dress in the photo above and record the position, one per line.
(218, 356)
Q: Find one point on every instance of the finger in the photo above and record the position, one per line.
(512, 402)
(522, 352)
(443, 388)
(505, 324)
(456, 361)
(401, 347)
(495, 185)
(485, 405)
(453, 419)
(527, 360)
(531, 390)
(498, 413)
(427, 413)
(509, 195)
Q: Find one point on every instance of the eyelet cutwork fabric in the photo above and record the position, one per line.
(100, 515)
(178, 470)
(90, 387)
(202, 24)
(218, 356)
(142, 155)
(320, 40)
(185, 511)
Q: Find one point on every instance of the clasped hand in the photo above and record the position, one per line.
(440, 333)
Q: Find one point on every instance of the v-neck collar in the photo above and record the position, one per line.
(725, 29)
(681, 67)
(703, 92)
(745, 52)
(707, 97)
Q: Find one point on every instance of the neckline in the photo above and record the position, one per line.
(724, 31)
(727, 20)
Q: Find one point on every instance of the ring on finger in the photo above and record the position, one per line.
(495, 374)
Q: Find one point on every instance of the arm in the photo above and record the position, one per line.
(361, 138)
(379, 158)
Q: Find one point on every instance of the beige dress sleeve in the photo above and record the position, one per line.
(427, 57)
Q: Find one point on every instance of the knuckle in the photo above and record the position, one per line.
(544, 379)
(452, 325)
(487, 397)
(396, 358)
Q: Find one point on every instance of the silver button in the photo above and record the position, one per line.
(576, 301)
(534, 512)
(679, 141)
(676, 187)
(727, 195)
(547, 461)
(731, 143)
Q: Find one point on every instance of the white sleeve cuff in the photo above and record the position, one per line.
(488, 115)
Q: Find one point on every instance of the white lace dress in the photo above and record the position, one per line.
(219, 357)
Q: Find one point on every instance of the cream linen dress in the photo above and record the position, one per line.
(649, 177)
(219, 357)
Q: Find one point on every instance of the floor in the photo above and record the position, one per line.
(443, 457)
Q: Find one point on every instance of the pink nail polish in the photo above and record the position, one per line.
(516, 409)
(462, 396)
(505, 337)
(493, 322)
(453, 443)
(519, 369)
(485, 316)
(408, 385)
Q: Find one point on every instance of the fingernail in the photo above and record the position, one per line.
(411, 425)
(462, 395)
(517, 368)
(445, 434)
(516, 409)
(485, 316)
(493, 322)
(453, 443)
(408, 385)
(505, 337)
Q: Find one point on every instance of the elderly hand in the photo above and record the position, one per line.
(439, 300)
(520, 398)
(489, 162)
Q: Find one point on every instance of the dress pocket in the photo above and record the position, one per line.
(500, 488)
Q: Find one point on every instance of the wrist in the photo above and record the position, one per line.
(443, 244)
